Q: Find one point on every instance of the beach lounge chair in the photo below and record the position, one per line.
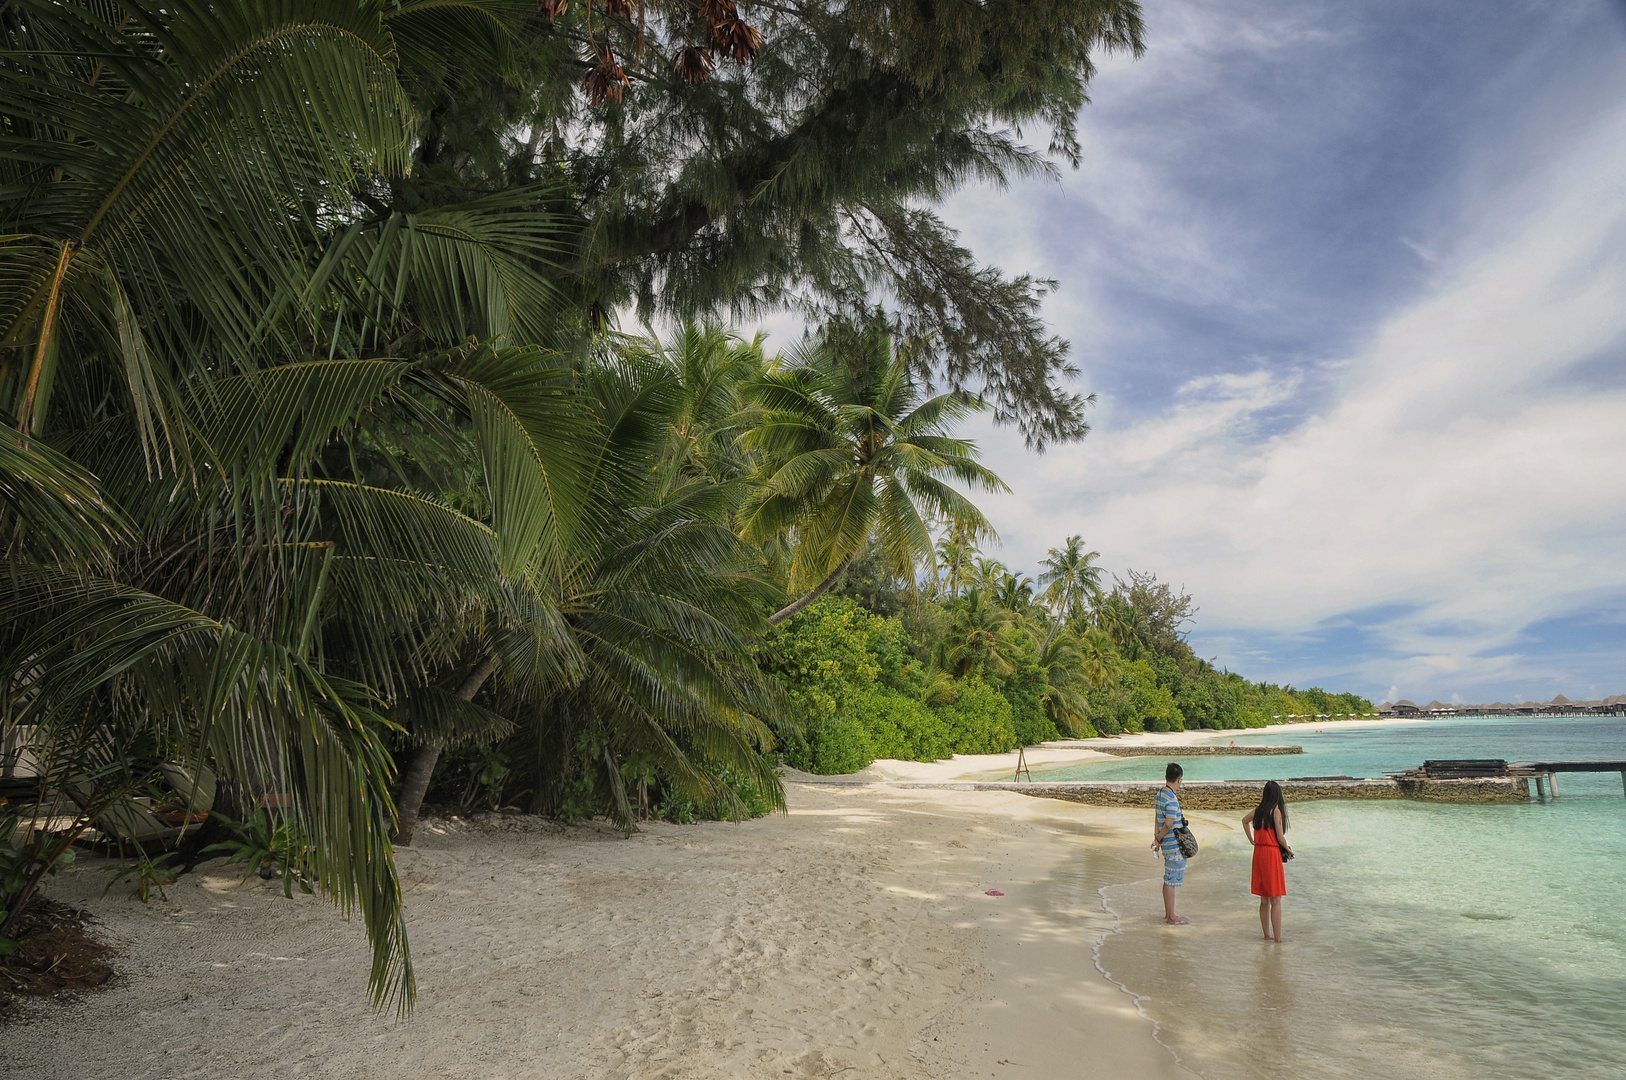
(126, 823)
(197, 791)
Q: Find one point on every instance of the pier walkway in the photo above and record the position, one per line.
(1547, 771)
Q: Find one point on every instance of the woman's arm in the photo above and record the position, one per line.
(1247, 827)
(1281, 830)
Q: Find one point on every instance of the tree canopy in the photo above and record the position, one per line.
(320, 451)
(797, 166)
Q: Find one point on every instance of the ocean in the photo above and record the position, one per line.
(1422, 940)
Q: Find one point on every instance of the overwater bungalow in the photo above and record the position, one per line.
(1614, 705)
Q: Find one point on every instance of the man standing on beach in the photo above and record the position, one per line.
(1168, 816)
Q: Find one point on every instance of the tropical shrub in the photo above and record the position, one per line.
(1152, 703)
(1024, 687)
(903, 728)
(980, 720)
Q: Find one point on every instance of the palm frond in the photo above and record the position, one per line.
(51, 509)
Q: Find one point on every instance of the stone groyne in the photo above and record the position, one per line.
(1195, 751)
(1244, 794)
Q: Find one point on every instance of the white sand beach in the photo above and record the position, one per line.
(853, 935)
(1073, 751)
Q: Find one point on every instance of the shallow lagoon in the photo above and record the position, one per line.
(1423, 939)
(1357, 749)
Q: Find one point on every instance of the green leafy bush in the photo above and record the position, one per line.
(1151, 703)
(902, 727)
(858, 691)
(269, 845)
(1023, 688)
(980, 720)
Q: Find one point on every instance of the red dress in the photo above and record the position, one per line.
(1268, 879)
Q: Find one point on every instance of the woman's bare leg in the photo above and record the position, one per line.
(1264, 916)
(1276, 918)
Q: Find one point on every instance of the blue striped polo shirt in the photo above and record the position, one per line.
(1169, 812)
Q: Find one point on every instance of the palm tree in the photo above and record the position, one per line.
(203, 312)
(634, 636)
(986, 573)
(1123, 624)
(954, 554)
(1066, 665)
(1072, 582)
(1014, 592)
(660, 599)
(1099, 656)
(850, 451)
(976, 638)
(710, 367)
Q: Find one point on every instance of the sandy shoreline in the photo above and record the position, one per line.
(1071, 751)
(853, 935)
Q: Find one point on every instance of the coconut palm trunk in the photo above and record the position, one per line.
(819, 590)
(416, 782)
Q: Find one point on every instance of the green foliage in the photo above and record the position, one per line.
(1025, 686)
(1150, 702)
(1266, 703)
(980, 719)
(809, 175)
(854, 456)
(901, 727)
(872, 582)
(839, 665)
(860, 693)
(824, 653)
(747, 799)
(268, 845)
(151, 874)
(22, 859)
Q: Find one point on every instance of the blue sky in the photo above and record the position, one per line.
(1350, 281)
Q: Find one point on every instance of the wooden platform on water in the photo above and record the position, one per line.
(1544, 772)
(1541, 772)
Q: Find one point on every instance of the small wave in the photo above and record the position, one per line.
(1486, 916)
(1138, 999)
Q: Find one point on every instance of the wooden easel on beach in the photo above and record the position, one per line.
(1022, 765)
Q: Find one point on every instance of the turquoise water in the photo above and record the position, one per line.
(1423, 940)
(1356, 749)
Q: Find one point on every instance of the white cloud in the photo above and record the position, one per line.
(1454, 465)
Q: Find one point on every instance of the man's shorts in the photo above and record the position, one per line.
(1174, 870)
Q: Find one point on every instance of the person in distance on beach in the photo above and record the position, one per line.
(1167, 817)
(1266, 830)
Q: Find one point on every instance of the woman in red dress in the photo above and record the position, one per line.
(1265, 829)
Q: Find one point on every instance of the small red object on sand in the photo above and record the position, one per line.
(993, 892)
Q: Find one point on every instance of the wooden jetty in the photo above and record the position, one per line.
(1548, 771)
(1543, 773)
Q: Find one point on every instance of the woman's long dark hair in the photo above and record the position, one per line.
(1272, 800)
